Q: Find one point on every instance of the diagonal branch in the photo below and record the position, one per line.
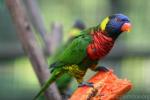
(30, 46)
(37, 22)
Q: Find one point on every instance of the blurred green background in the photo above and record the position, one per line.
(130, 57)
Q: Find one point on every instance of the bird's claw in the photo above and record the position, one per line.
(89, 84)
(102, 68)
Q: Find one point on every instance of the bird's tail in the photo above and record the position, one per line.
(54, 76)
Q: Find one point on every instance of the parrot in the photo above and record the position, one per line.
(87, 49)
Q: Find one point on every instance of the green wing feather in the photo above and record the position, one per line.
(76, 51)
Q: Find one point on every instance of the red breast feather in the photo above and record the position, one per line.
(100, 46)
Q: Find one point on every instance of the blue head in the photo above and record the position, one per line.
(79, 24)
(116, 24)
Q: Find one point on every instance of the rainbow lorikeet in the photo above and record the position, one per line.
(87, 49)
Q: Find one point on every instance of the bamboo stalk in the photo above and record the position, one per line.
(31, 47)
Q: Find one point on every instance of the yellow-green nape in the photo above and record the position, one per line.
(104, 23)
(74, 32)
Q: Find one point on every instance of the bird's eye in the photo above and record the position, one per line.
(117, 20)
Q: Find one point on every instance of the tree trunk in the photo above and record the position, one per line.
(31, 47)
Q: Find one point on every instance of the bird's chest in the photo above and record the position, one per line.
(99, 47)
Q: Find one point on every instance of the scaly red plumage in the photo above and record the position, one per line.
(100, 46)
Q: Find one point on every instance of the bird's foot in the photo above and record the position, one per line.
(89, 84)
(101, 68)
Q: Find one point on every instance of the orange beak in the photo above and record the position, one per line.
(126, 27)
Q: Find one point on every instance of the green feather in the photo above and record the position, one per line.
(76, 51)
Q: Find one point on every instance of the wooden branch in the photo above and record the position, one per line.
(37, 21)
(31, 47)
(107, 86)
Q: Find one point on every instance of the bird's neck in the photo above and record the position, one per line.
(100, 45)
